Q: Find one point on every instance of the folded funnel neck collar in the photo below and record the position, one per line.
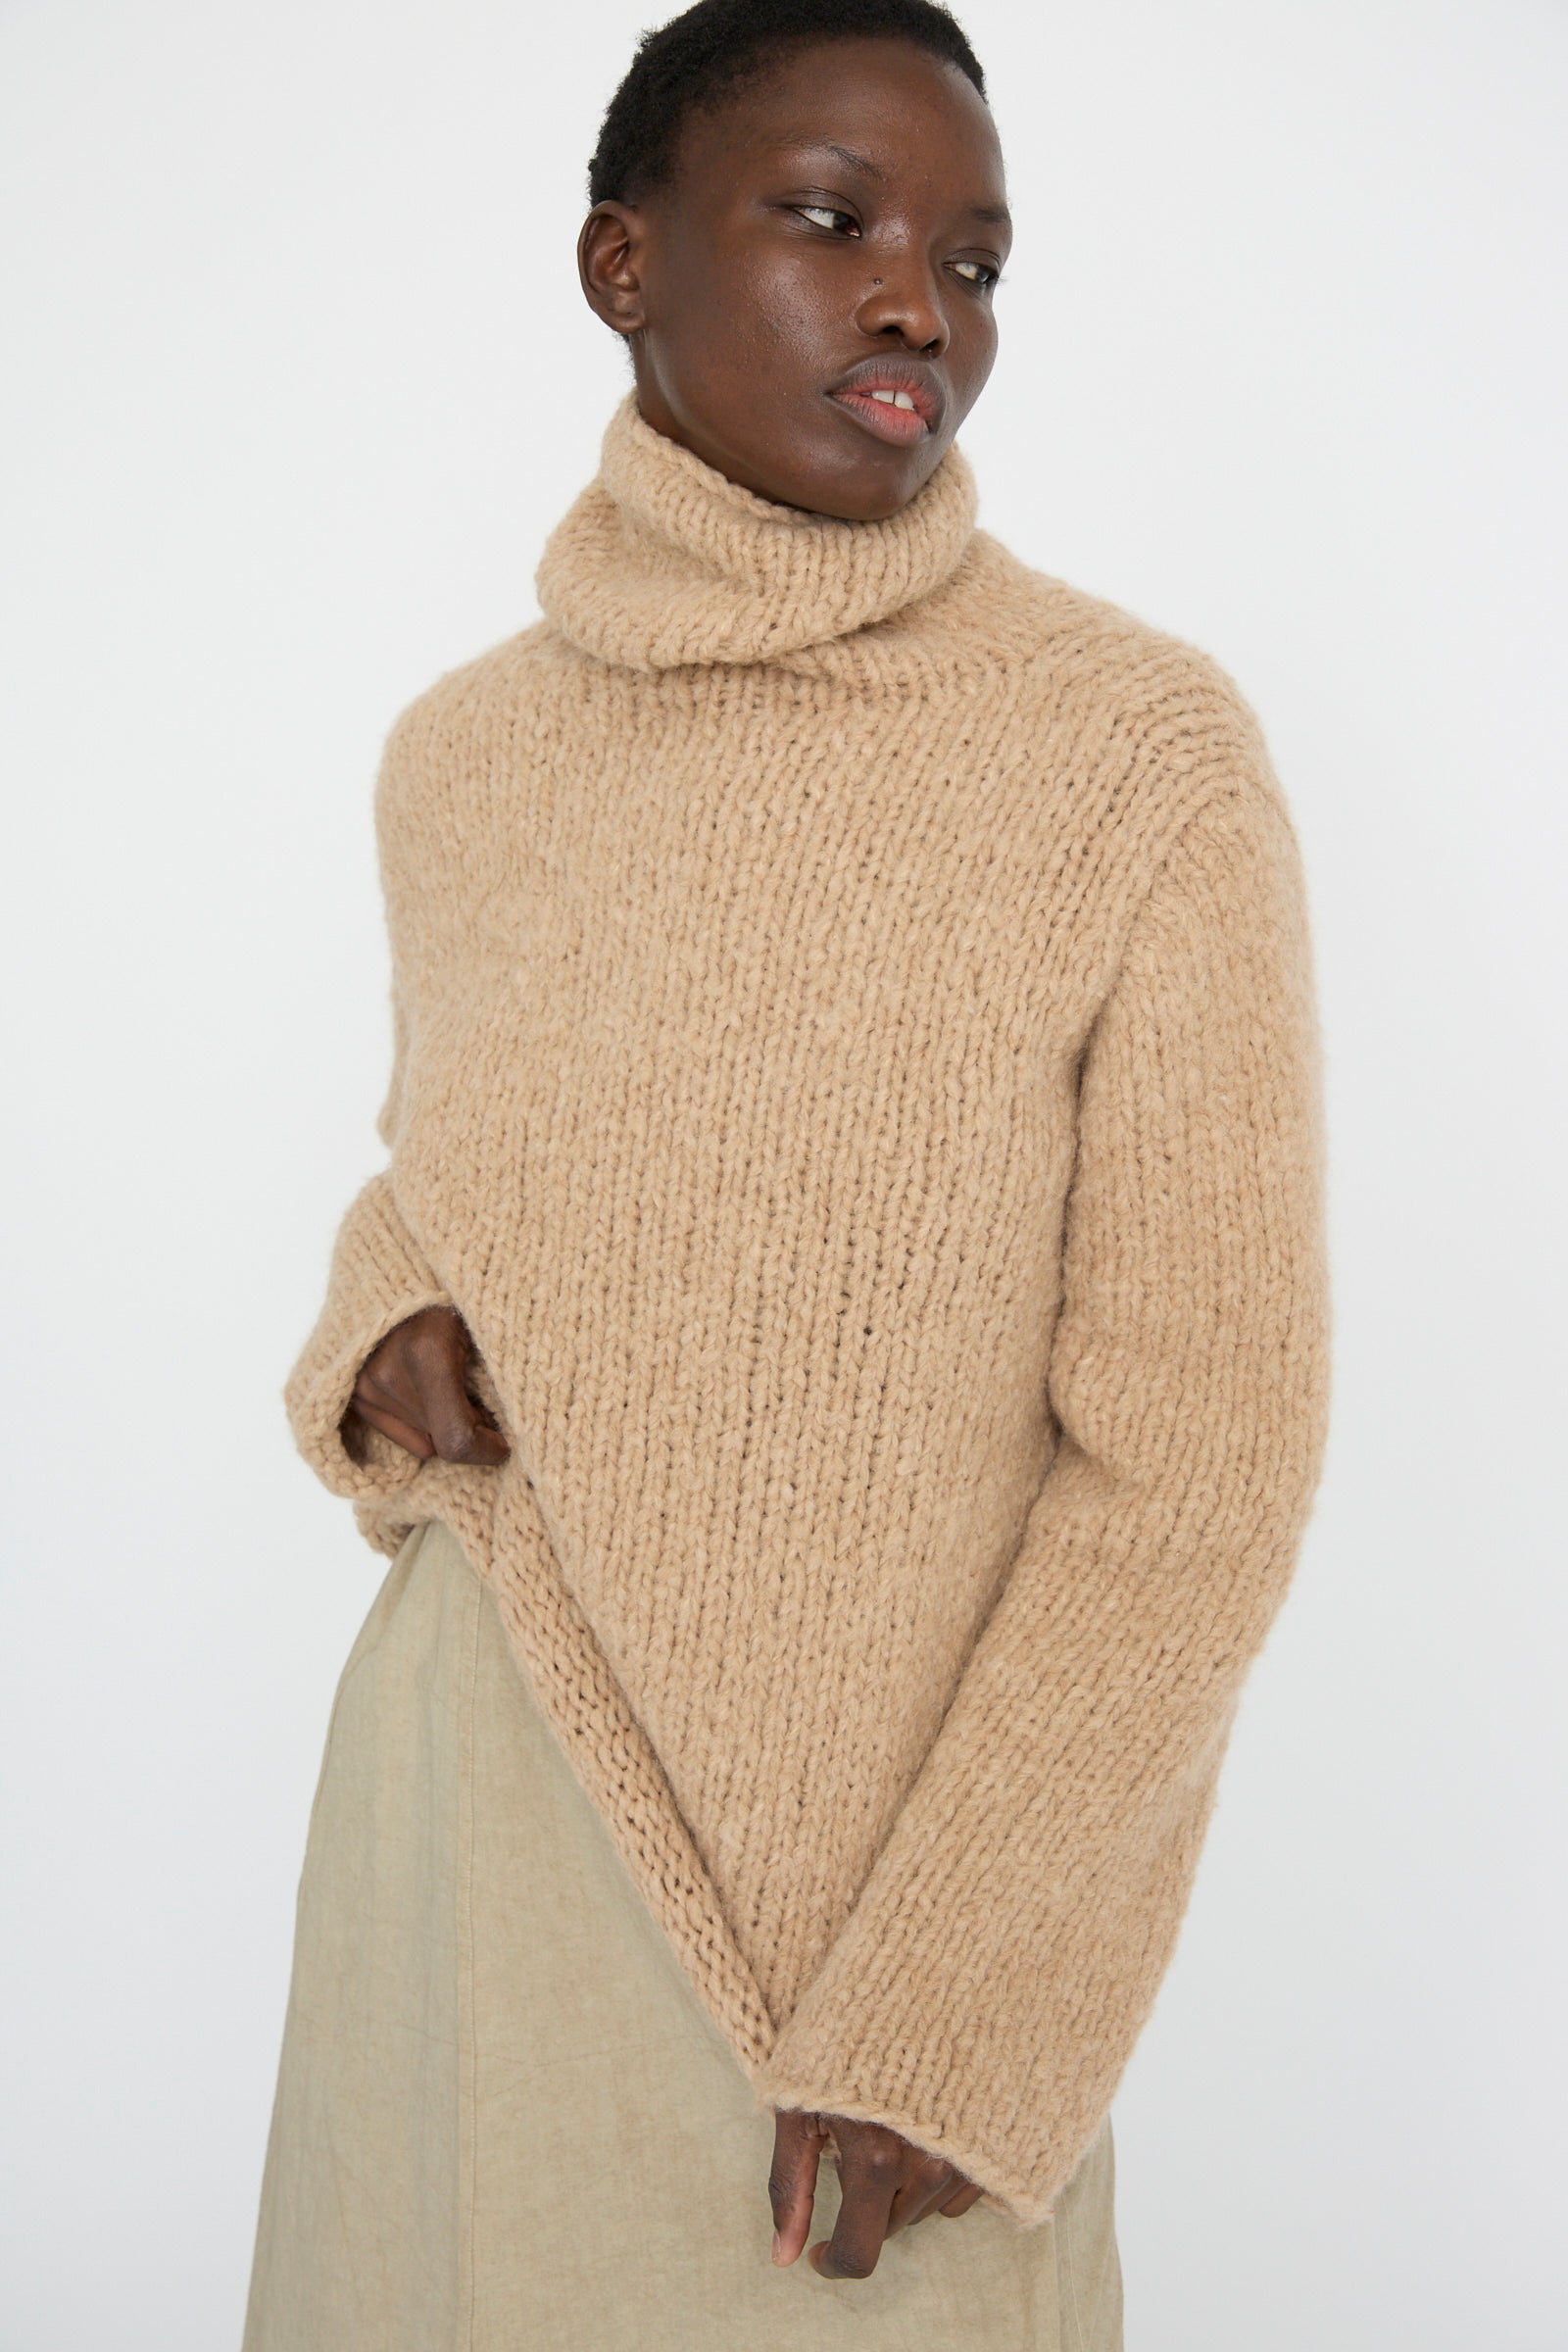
(663, 561)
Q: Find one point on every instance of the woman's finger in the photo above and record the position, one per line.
(928, 2183)
(871, 2174)
(460, 1428)
(391, 1425)
(463, 1431)
(798, 2143)
(969, 2195)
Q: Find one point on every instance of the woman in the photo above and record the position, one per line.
(843, 1316)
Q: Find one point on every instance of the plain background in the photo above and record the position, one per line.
(299, 377)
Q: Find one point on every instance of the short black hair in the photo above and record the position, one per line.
(703, 53)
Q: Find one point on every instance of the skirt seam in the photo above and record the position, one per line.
(468, 2039)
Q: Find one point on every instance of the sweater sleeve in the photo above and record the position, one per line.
(378, 1278)
(379, 1275)
(985, 1994)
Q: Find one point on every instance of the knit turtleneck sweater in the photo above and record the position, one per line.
(856, 1075)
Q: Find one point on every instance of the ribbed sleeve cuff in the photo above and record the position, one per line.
(1007, 2188)
(946, 2111)
(379, 1278)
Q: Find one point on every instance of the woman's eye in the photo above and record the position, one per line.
(825, 215)
(978, 273)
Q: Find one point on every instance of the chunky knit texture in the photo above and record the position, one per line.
(856, 1073)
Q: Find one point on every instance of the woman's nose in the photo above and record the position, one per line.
(904, 302)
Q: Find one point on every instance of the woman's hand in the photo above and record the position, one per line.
(413, 1387)
(885, 2184)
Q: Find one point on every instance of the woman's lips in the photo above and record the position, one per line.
(883, 415)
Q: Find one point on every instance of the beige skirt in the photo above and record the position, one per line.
(504, 2119)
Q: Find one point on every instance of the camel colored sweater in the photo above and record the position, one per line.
(855, 1075)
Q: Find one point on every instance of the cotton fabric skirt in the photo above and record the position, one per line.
(504, 2119)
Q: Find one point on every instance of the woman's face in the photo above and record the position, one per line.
(830, 233)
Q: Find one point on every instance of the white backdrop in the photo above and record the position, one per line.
(298, 379)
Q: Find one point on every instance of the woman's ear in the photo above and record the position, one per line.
(609, 260)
